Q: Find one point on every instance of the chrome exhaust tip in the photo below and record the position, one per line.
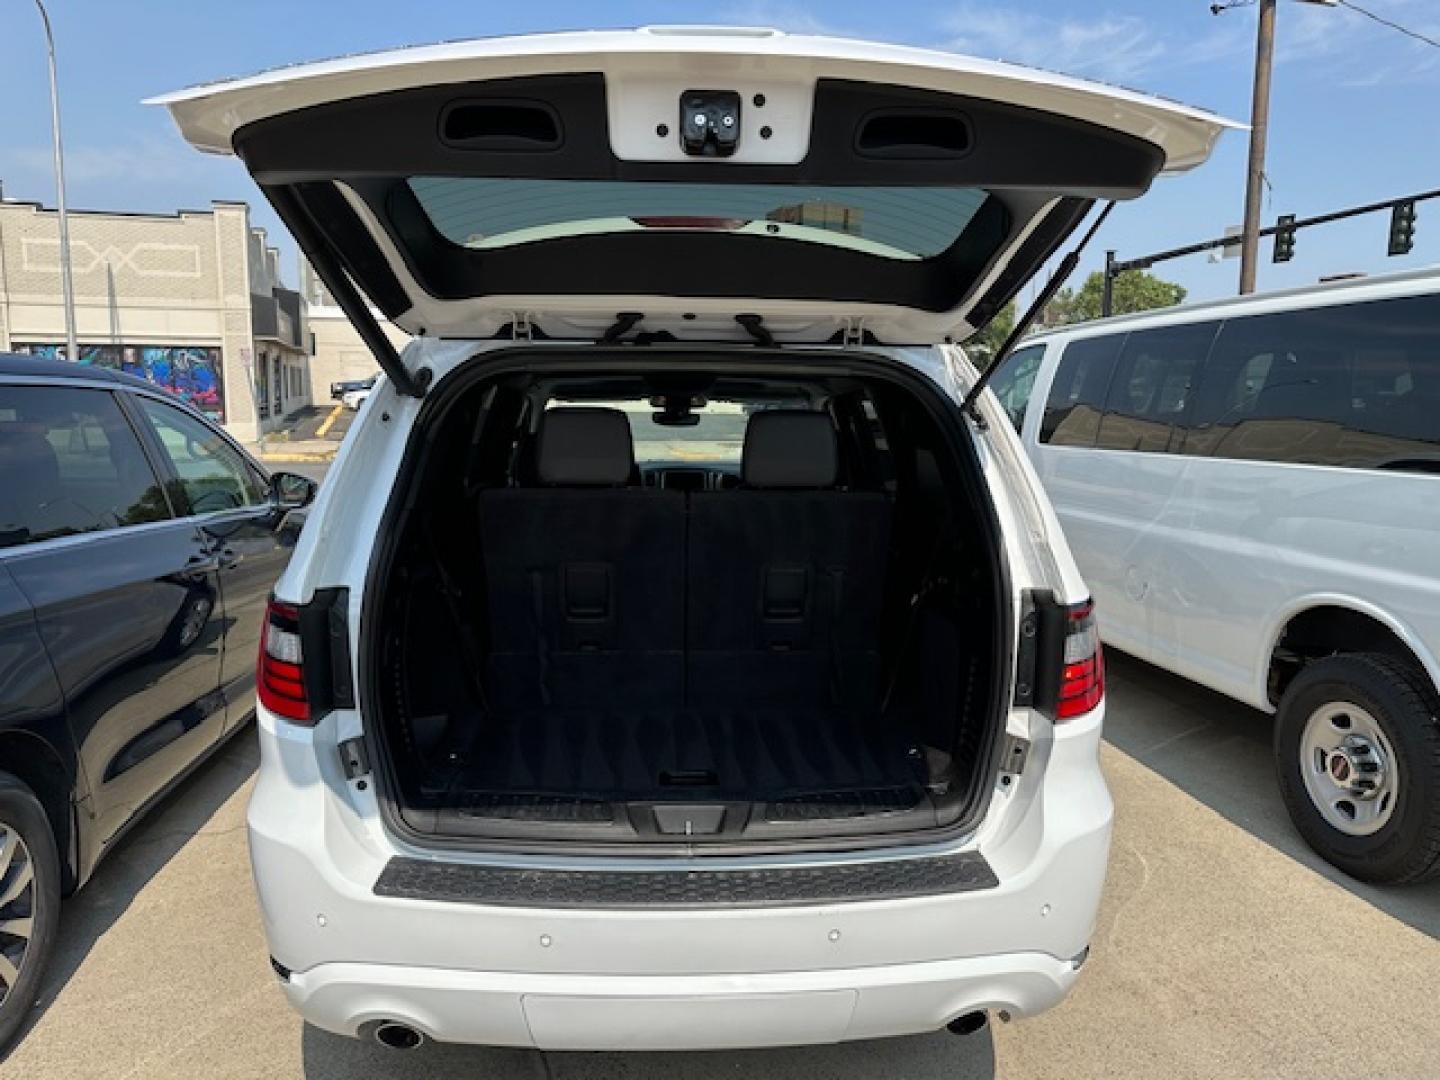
(968, 1024)
(397, 1036)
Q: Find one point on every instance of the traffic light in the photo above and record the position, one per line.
(1402, 228)
(1284, 238)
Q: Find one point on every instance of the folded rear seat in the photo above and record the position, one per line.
(785, 575)
(585, 574)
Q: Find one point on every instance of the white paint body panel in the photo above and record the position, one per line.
(770, 975)
(645, 73)
(1197, 564)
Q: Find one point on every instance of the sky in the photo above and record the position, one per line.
(1354, 114)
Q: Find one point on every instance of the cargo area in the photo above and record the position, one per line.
(686, 603)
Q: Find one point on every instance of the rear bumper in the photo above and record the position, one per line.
(711, 1012)
(522, 971)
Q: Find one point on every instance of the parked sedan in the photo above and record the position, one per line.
(138, 546)
(338, 390)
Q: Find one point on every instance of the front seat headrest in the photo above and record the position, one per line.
(790, 448)
(585, 447)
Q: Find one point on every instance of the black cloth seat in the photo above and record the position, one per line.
(585, 576)
(785, 575)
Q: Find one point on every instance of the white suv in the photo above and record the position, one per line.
(670, 661)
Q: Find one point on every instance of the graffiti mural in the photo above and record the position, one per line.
(190, 372)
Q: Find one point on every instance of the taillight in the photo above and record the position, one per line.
(1082, 674)
(280, 676)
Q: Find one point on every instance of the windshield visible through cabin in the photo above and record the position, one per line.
(717, 437)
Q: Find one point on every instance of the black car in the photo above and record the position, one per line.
(339, 389)
(138, 546)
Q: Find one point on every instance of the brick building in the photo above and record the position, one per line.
(192, 301)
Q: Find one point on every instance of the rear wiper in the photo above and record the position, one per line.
(1061, 275)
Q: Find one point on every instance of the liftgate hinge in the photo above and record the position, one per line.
(353, 758)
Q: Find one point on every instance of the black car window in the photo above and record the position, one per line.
(70, 463)
(1151, 390)
(1351, 385)
(1077, 395)
(213, 475)
(1015, 378)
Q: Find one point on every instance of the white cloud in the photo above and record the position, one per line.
(1112, 47)
(791, 17)
(1346, 49)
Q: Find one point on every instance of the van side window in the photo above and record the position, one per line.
(70, 463)
(1077, 396)
(1352, 385)
(1014, 379)
(1151, 390)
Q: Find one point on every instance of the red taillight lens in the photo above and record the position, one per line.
(1082, 676)
(280, 676)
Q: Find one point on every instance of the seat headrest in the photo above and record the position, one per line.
(585, 447)
(789, 448)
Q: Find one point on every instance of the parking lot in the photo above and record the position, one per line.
(1223, 948)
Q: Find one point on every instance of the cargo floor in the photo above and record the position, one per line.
(758, 754)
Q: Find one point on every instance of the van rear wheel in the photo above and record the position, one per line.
(1357, 752)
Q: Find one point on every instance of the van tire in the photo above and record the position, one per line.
(1406, 848)
(22, 813)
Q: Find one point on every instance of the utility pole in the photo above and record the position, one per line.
(1259, 130)
(1259, 133)
(72, 351)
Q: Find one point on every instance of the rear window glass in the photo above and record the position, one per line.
(891, 222)
(1352, 385)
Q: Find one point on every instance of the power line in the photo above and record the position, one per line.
(1392, 25)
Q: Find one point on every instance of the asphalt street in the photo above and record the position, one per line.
(1223, 949)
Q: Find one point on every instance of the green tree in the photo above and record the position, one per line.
(1134, 290)
(982, 347)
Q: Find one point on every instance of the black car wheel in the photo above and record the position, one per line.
(1357, 751)
(29, 901)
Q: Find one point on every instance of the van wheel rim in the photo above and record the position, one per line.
(1349, 768)
(17, 907)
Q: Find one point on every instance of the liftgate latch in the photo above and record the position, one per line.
(1013, 754)
(353, 758)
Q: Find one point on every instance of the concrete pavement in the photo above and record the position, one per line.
(1220, 951)
(313, 438)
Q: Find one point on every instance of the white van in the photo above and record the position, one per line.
(1252, 489)
(668, 661)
